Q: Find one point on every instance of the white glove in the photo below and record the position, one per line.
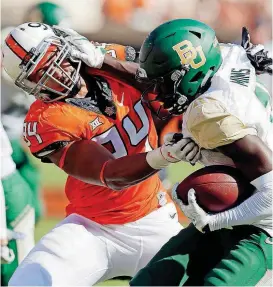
(173, 151)
(7, 255)
(83, 49)
(193, 211)
(191, 151)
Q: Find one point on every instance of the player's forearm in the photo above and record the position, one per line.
(92, 163)
(126, 67)
(256, 208)
(250, 155)
(124, 70)
(126, 171)
(130, 170)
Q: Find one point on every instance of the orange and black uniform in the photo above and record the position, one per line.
(131, 132)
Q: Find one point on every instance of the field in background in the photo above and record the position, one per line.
(53, 177)
(53, 181)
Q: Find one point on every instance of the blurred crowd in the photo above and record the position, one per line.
(226, 16)
(129, 21)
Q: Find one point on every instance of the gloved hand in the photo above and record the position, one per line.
(191, 151)
(82, 49)
(256, 54)
(174, 149)
(193, 211)
(7, 255)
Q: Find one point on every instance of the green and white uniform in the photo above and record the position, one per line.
(18, 208)
(234, 106)
(14, 106)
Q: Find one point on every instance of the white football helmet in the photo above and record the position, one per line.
(26, 47)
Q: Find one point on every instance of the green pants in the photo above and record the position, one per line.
(237, 257)
(20, 218)
(30, 173)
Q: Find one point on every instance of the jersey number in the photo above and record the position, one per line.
(29, 130)
(113, 140)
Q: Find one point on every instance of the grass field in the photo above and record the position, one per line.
(54, 178)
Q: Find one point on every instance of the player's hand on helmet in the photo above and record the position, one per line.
(192, 210)
(83, 49)
(175, 149)
(256, 54)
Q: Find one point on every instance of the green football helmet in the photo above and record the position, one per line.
(48, 13)
(177, 61)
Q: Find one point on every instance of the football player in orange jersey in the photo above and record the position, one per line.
(94, 126)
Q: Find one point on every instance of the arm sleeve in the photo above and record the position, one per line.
(212, 126)
(258, 207)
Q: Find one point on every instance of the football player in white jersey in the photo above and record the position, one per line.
(17, 213)
(230, 118)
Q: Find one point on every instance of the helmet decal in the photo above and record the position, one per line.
(188, 54)
(180, 57)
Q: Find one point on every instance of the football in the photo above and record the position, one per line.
(217, 188)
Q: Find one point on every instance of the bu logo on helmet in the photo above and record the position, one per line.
(187, 54)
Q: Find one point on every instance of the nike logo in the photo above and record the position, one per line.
(170, 155)
(172, 216)
(122, 100)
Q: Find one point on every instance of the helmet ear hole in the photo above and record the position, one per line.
(197, 34)
(197, 77)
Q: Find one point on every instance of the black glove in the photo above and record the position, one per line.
(256, 54)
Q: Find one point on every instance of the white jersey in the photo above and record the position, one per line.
(7, 164)
(14, 106)
(234, 106)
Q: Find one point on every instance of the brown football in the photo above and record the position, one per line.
(217, 188)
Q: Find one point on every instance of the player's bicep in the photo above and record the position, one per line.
(250, 155)
(83, 160)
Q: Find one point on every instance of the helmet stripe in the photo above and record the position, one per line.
(15, 47)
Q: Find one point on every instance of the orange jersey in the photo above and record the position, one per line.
(132, 132)
(174, 125)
